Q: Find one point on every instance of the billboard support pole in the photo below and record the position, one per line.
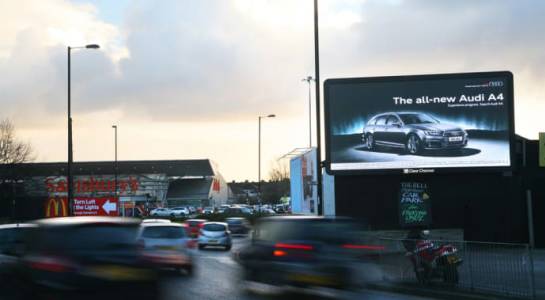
(318, 123)
(531, 239)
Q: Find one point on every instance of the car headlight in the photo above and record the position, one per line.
(434, 132)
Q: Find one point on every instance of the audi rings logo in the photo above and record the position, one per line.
(56, 207)
(497, 83)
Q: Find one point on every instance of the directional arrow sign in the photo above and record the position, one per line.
(109, 206)
(92, 206)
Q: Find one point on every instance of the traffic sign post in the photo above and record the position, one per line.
(89, 206)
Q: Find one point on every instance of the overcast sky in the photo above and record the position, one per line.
(188, 79)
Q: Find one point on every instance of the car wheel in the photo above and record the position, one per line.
(413, 145)
(369, 142)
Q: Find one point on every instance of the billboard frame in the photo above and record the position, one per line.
(402, 78)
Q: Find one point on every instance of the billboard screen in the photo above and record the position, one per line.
(303, 177)
(419, 123)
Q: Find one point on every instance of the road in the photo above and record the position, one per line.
(217, 277)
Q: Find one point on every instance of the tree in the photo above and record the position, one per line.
(13, 151)
(279, 171)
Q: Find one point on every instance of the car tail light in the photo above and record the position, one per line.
(363, 247)
(191, 244)
(279, 253)
(294, 246)
(51, 264)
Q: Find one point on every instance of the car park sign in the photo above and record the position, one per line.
(419, 123)
(96, 206)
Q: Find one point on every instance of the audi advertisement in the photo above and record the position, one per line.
(419, 123)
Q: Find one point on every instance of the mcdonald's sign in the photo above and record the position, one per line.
(56, 207)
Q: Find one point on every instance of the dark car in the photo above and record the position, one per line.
(98, 257)
(301, 252)
(238, 225)
(412, 132)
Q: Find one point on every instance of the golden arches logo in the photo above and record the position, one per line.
(56, 207)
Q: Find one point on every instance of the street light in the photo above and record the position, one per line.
(115, 164)
(308, 79)
(259, 157)
(70, 152)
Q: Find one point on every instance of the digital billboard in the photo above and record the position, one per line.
(420, 123)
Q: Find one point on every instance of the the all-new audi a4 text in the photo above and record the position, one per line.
(412, 131)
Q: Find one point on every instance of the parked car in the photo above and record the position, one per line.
(301, 252)
(166, 246)
(180, 211)
(208, 210)
(194, 226)
(192, 209)
(156, 221)
(238, 225)
(215, 234)
(412, 132)
(94, 257)
(237, 211)
(162, 212)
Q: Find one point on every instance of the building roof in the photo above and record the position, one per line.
(189, 189)
(172, 168)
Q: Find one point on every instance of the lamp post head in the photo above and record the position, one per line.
(271, 116)
(92, 46)
(114, 126)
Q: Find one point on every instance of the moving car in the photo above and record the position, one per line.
(215, 234)
(166, 245)
(78, 257)
(413, 132)
(238, 225)
(301, 252)
(194, 226)
(236, 210)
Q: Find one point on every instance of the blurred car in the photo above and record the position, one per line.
(166, 246)
(223, 208)
(238, 225)
(180, 211)
(13, 245)
(208, 210)
(236, 211)
(215, 234)
(162, 212)
(301, 252)
(192, 209)
(156, 221)
(194, 226)
(77, 257)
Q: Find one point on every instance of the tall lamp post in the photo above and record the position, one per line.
(70, 152)
(115, 165)
(309, 79)
(259, 157)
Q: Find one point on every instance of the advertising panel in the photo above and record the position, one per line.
(419, 123)
(414, 204)
(303, 178)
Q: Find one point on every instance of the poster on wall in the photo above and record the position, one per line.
(408, 123)
(414, 205)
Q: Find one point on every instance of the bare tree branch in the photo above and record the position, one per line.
(13, 151)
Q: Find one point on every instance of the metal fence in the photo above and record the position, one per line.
(491, 268)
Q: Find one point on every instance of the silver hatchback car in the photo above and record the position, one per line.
(215, 234)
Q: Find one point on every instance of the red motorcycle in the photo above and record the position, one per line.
(431, 262)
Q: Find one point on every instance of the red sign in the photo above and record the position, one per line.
(92, 184)
(102, 206)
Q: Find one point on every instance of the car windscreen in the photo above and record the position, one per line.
(214, 227)
(417, 119)
(234, 221)
(163, 232)
(85, 238)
